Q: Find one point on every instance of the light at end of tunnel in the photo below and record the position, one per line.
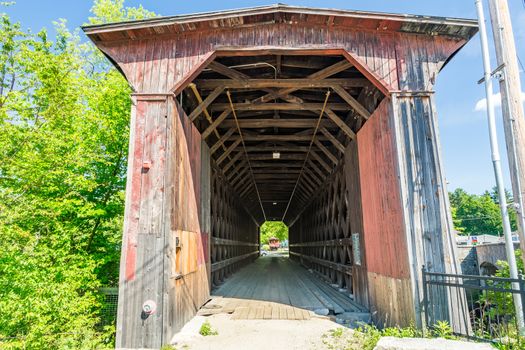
(276, 155)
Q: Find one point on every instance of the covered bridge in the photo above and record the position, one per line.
(322, 118)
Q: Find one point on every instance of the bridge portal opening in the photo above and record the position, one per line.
(281, 129)
(273, 237)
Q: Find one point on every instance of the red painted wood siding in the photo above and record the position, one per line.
(385, 239)
(157, 65)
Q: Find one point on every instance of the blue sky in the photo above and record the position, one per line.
(464, 135)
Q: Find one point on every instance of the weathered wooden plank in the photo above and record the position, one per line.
(204, 104)
(291, 84)
(338, 145)
(326, 152)
(335, 118)
(277, 123)
(228, 151)
(360, 109)
(249, 106)
(216, 123)
(221, 141)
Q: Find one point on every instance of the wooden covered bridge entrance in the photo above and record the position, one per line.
(322, 118)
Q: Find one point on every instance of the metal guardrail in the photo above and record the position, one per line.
(491, 313)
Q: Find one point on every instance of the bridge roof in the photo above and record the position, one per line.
(281, 13)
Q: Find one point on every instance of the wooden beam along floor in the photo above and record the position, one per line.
(275, 287)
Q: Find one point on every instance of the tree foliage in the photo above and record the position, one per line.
(479, 214)
(273, 229)
(64, 115)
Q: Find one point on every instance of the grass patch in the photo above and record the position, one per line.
(366, 337)
(207, 329)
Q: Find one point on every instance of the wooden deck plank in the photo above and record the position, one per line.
(274, 287)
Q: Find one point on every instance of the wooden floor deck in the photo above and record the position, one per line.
(274, 287)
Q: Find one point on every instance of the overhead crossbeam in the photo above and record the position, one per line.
(289, 84)
(278, 123)
(322, 74)
(248, 106)
(241, 77)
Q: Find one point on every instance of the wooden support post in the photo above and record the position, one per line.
(512, 106)
(144, 246)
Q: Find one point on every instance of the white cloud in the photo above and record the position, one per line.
(481, 105)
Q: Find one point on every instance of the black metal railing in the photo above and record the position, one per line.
(482, 305)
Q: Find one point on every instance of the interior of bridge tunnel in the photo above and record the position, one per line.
(277, 126)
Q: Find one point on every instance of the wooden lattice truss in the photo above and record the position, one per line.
(277, 100)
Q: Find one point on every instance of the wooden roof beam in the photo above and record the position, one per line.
(225, 113)
(278, 123)
(242, 164)
(232, 161)
(311, 184)
(269, 156)
(241, 77)
(239, 176)
(193, 88)
(273, 164)
(359, 108)
(321, 161)
(275, 138)
(228, 151)
(279, 106)
(317, 180)
(322, 74)
(338, 145)
(340, 123)
(326, 152)
(204, 104)
(291, 84)
(316, 169)
(222, 139)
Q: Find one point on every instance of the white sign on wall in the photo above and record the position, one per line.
(356, 249)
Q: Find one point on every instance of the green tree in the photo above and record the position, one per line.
(273, 229)
(64, 116)
(478, 214)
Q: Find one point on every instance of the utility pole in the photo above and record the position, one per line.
(496, 161)
(512, 106)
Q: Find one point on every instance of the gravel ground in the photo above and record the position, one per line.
(253, 334)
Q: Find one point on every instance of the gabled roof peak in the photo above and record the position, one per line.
(283, 13)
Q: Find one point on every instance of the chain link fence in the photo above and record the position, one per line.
(109, 310)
